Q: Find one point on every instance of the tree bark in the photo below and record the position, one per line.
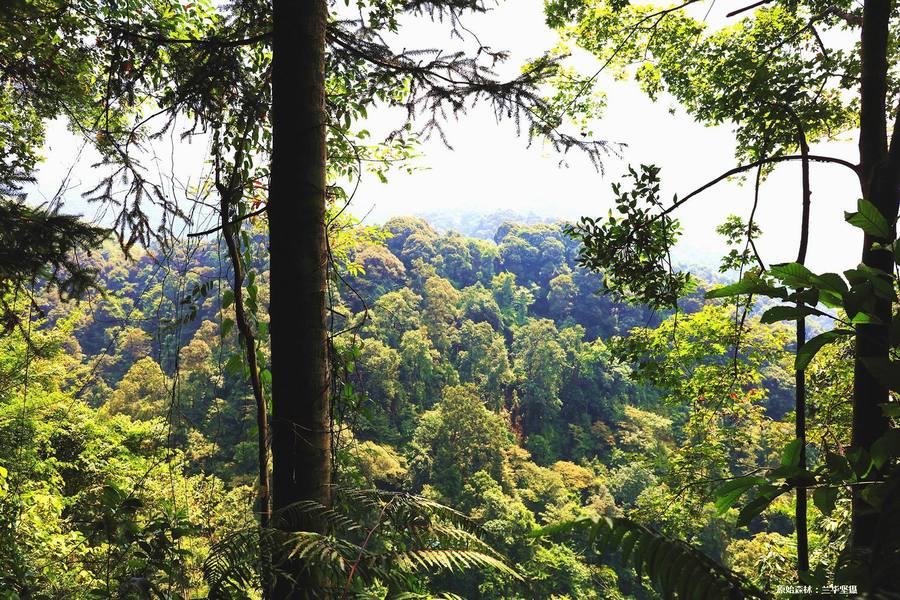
(879, 182)
(301, 436)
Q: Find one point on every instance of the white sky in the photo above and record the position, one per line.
(490, 168)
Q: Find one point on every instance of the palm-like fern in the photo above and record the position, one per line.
(676, 569)
(374, 538)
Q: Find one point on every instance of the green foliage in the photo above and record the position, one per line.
(621, 427)
(374, 540)
(467, 350)
(764, 71)
(632, 248)
(458, 438)
(673, 566)
(104, 492)
(40, 248)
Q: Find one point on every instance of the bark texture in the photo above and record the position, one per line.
(879, 184)
(301, 436)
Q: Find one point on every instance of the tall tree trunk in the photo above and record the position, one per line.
(301, 436)
(879, 180)
(800, 509)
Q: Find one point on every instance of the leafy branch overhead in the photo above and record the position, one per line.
(856, 294)
(181, 69)
(632, 248)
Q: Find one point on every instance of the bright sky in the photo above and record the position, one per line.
(490, 168)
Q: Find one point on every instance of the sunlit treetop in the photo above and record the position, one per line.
(767, 70)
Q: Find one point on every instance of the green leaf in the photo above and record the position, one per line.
(234, 364)
(752, 510)
(831, 282)
(863, 318)
(762, 501)
(786, 313)
(885, 448)
(832, 289)
(825, 498)
(860, 461)
(790, 456)
(837, 467)
(227, 324)
(875, 494)
(869, 219)
(628, 541)
(802, 478)
(227, 299)
(728, 493)
(784, 472)
(793, 274)
(750, 284)
(812, 347)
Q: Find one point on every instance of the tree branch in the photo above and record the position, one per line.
(249, 215)
(749, 166)
(212, 42)
(746, 8)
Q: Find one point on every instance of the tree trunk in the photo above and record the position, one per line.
(800, 509)
(879, 180)
(301, 436)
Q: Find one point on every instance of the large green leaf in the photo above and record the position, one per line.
(227, 299)
(832, 289)
(750, 284)
(787, 313)
(868, 218)
(812, 347)
(793, 274)
(227, 324)
(885, 448)
(790, 456)
(728, 493)
(763, 499)
(825, 498)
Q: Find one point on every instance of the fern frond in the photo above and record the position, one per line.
(231, 568)
(302, 511)
(452, 536)
(371, 536)
(411, 506)
(418, 596)
(675, 568)
(431, 561)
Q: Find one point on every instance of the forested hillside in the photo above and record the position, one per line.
(487, 375)
(217, 381)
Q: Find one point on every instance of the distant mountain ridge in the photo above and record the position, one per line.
(481, 225)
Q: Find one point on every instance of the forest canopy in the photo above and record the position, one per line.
(235, 387)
